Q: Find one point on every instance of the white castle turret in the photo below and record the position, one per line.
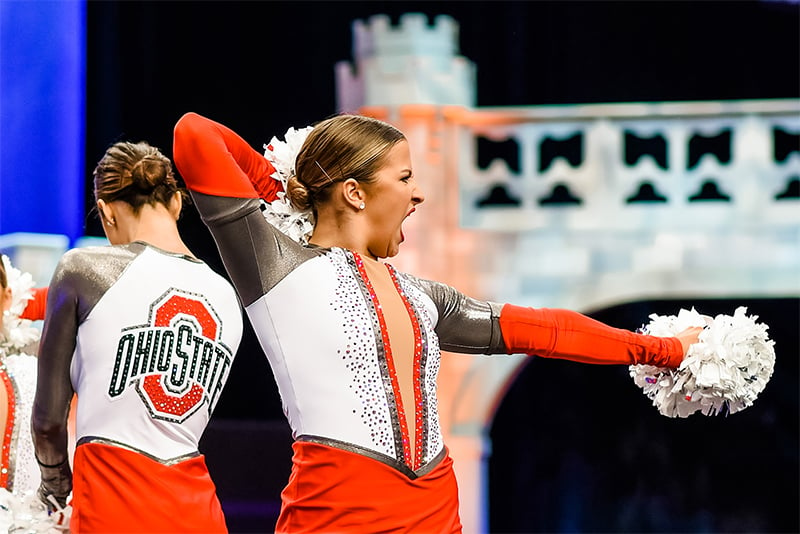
(413, 63)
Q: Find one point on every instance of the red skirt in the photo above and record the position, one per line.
(336, 491)
(116, 490)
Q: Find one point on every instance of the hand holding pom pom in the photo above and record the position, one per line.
(724, 371)
(689, 337)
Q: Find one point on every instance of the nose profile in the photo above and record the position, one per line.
(417, 197)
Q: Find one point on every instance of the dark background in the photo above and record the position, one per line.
(579, 448)
(575, 448)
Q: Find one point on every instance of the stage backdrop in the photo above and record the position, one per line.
(42, 91)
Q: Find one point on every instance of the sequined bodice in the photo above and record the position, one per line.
(19, 471)
(325, 333)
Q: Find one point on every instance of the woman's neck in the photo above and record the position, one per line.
(157, 227)
(342, 232)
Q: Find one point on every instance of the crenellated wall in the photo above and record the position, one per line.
(385, 54)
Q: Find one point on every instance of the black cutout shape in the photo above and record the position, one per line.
(561, 195)
(784, 143)
(792, 191)
(719, 145)
(489, 150)
(646, 193)
(571, 149)
(636, 147)
(709, 192)
(498, 196)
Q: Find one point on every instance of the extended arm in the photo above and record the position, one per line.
(471, 326)
(226, 178)
(556, 333)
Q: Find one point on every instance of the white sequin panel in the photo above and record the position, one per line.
(22, 370)
(364, 357)
(316, 328)
(425, 310)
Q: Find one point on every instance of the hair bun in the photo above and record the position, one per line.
(298, 193)
(149, 172)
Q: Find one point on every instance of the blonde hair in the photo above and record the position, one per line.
(339, 148)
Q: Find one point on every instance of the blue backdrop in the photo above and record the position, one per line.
(42, 88)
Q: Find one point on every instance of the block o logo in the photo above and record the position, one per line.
(177, 361)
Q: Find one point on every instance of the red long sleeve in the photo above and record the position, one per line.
(554, 333)
(214, 160)
(34, 311)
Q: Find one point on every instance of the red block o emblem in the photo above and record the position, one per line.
(177, 304)
(164, 403)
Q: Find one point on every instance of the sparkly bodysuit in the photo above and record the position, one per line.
(146, 338)
(369, 448)
(19, 472)
(19, 340)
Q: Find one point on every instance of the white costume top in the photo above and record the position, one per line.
(19, 508)
(327, 335)
(23, 474)
(334, 369)
(155, 338)
(18, 343)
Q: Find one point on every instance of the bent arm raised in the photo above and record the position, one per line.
(226, 178)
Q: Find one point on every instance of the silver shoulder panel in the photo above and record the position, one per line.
(465, 325)
(91, 271)
(256, 255)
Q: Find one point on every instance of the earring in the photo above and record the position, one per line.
(111, 222)
(362, 206)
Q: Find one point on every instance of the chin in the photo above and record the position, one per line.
(392, 250)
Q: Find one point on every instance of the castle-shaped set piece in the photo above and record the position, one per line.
(411, 63)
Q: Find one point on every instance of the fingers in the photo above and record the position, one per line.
(689, 337)
(53, 503)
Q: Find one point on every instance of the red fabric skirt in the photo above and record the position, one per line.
(336, 491)
(116, 490)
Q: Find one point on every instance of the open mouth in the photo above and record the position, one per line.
(402, 235)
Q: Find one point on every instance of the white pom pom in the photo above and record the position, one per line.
(25, 513)
(16, 333)
(723, 372)
(297, 224)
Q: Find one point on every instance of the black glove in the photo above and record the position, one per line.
(56, 482)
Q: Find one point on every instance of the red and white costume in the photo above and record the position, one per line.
(148, 337)
(19, 472)
(368, 452)
(20, 508)
(18, 346)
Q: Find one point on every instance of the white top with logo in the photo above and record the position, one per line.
(154, 353)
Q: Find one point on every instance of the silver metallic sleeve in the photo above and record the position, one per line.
(466, 325)
(256, 255)
(80, 279)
